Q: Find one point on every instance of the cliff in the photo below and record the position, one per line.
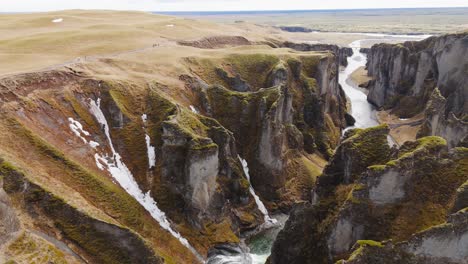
(406, 77)
(150, 160)
(413, 190)
(342, 53)
(281, 111)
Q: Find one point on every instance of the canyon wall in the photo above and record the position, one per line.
(391, 197)
(281, 111)
(428, 75)
(155, 167)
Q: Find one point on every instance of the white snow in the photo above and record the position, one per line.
(170, 25)
(93, 144)
(99, 161)
(260, 205)
(78, 130)
(194, 110)
(57, 20)
(151, 152)
(120, 172)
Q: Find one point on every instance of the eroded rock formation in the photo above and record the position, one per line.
(414, 189)
(406, 76)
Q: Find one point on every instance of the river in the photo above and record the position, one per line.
(363, 112)
(365, 115)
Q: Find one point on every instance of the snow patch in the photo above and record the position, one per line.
(120, 172)
(151, 152)
(77, 129)
(170, 25)
(93, 144)
(144, 117)
(194, 110)
(57, 20)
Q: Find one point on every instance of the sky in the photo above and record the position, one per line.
(218, 5)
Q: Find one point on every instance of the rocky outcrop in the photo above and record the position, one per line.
(415, 190)
(195, 162)
(439, 122)
(442, 244)
(406, 75)
(278, 110)
(359, 149)
(342, 53)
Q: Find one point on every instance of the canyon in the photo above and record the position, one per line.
(187, 141)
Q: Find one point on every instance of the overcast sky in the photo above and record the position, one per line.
(217, 5)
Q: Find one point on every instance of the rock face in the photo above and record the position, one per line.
(445, 243)
(342, 53)
(406, 75)
(154, 167)
(415, 189)
(359, 149)
(278, 110)
(447, 125)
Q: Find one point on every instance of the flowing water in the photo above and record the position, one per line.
(266, 217)
(363, 112)
(260, 247)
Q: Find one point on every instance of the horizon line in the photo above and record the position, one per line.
(244, 11)
(305, 10)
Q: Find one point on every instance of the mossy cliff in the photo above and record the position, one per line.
(439, 122)
(99, 241)
(330, 193)
(180, 137)
(341, 53)
(413, 190)
(279, 108)
(67, 167)
(406, 75)
(441, 244)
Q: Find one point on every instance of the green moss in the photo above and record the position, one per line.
(6, 167)
(370, 243)
(254, 68)
(423, 144)
(365, 147)
(377, 168)
(309, 65)
(311, 84)
(79, 109)
(244, 183)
